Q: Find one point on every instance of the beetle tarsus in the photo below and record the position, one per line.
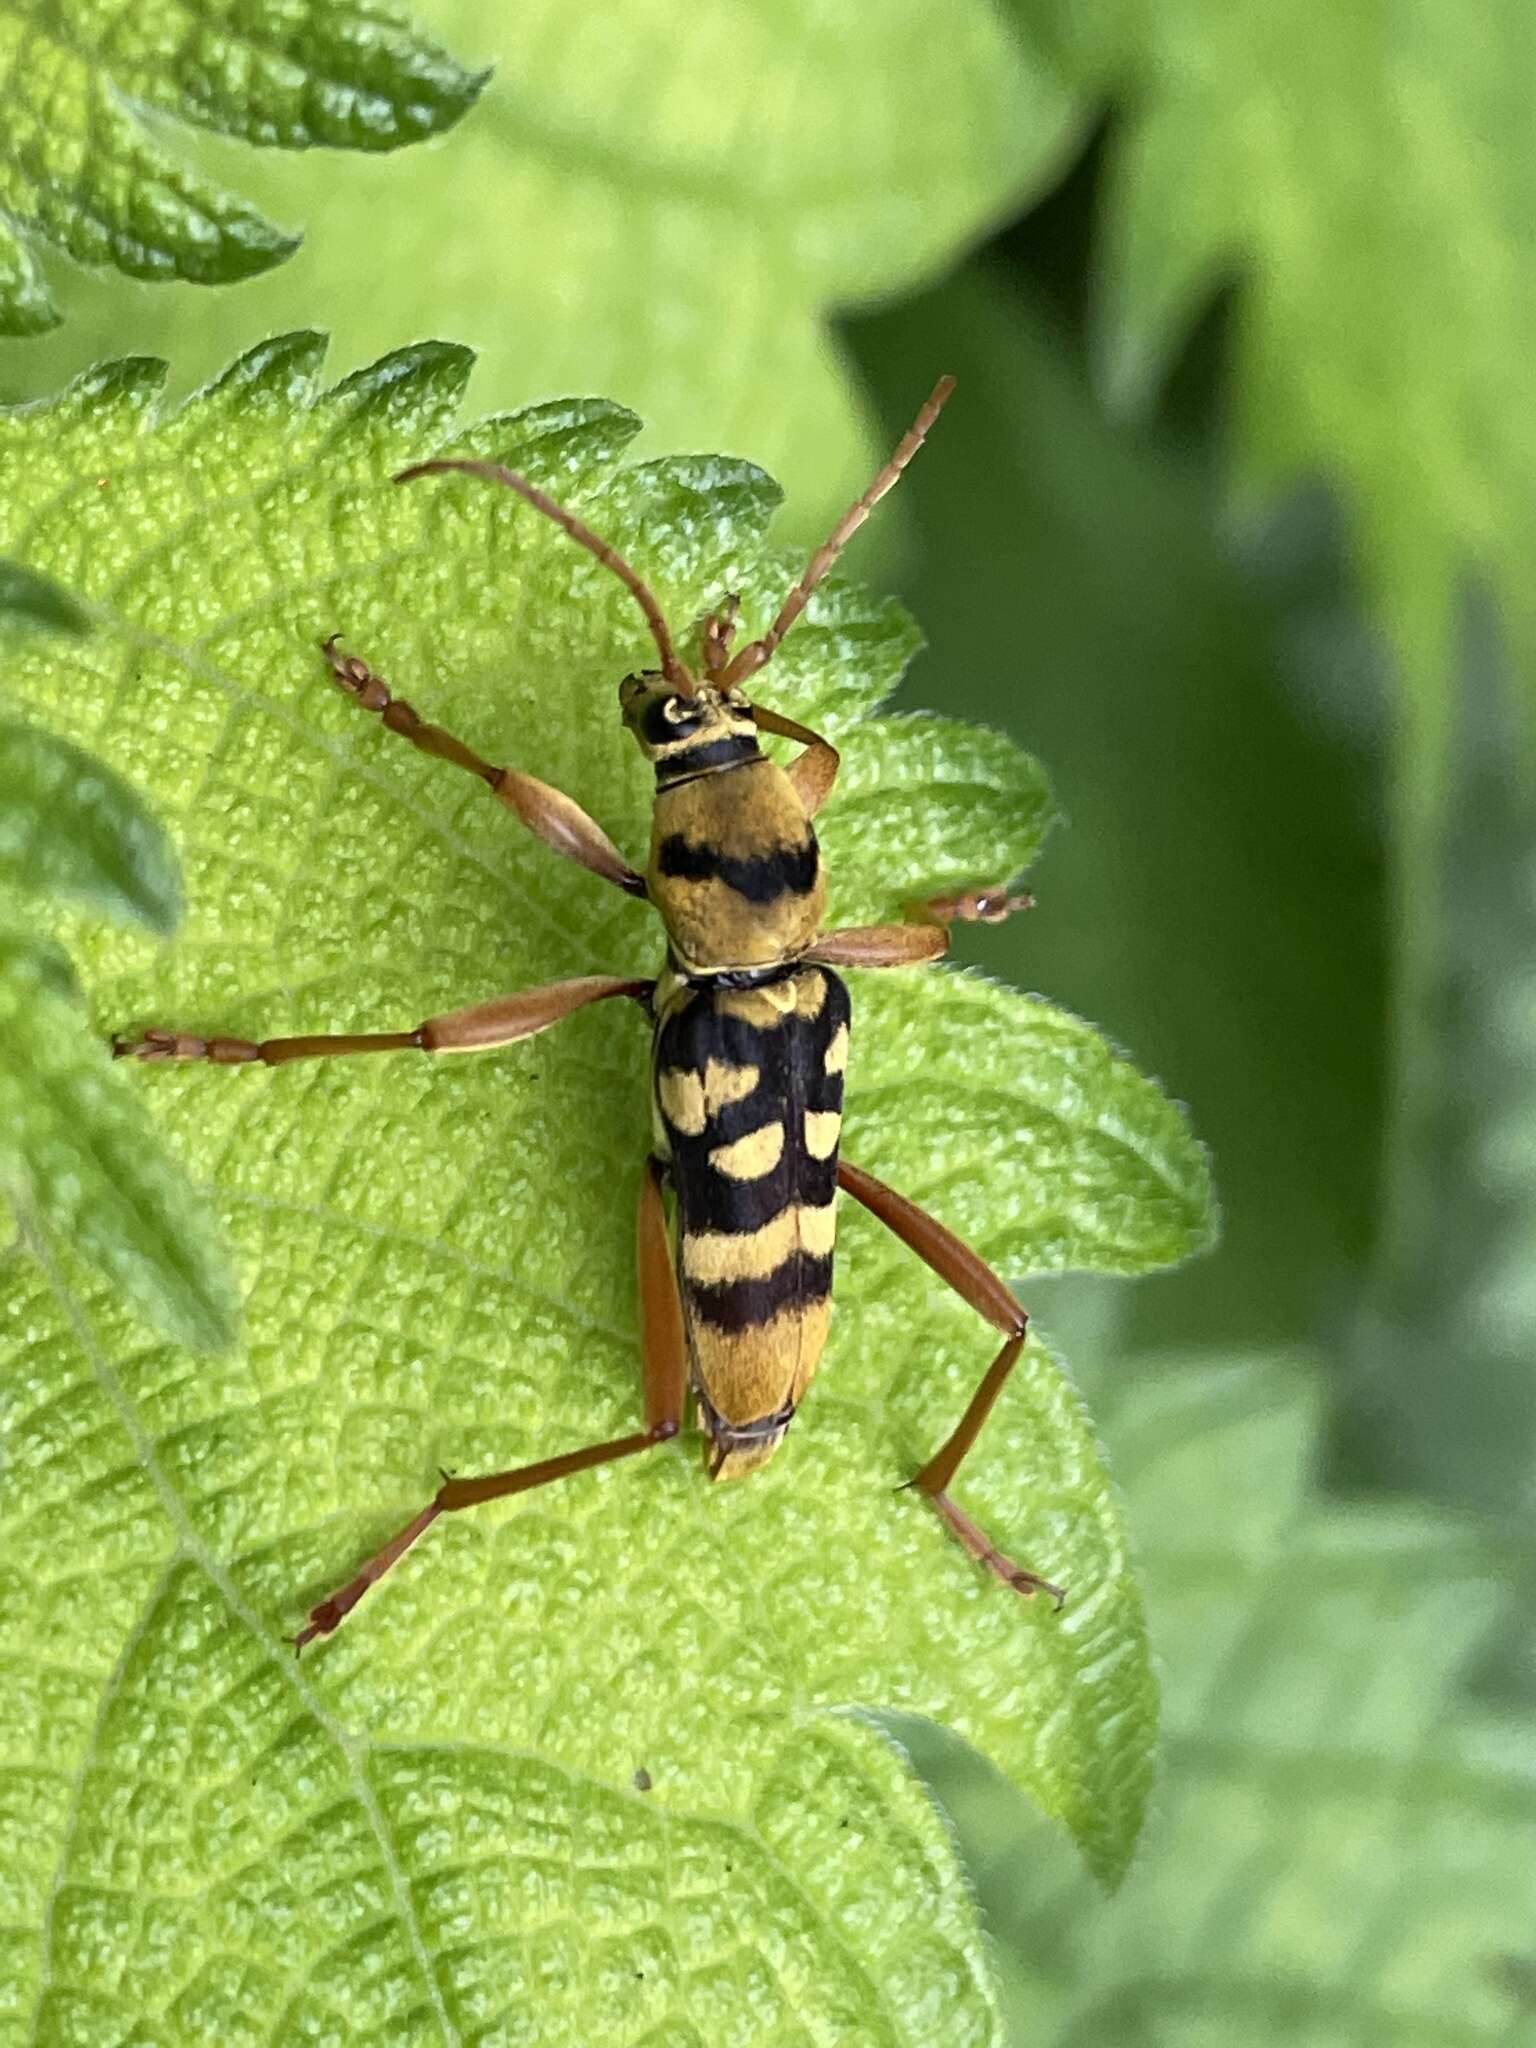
(356, 677)
(971, 906)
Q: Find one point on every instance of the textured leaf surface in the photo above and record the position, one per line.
(657, 202)
(1344, 1851)
(438, 1266)
(1371, 171)
(79, 166)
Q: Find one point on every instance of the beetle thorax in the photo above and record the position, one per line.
(735, 869)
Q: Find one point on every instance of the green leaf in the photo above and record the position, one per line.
(929, 805)
(1359, 171)
(439, 1260)
(1202, 804)
(661, 204)
(1366, 179)
(28, 600)
(80, 1157)
(82, 1162)
(80, 167)
(70, 827)
(1453, 1282)
(1342, 1852)
(1452, 1285)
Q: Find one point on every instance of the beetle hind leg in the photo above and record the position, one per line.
(975, 1282)
(664, 1360)
(935, 1476)
(986, 1552)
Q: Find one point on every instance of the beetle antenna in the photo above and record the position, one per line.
(497, 473)
(753, 656)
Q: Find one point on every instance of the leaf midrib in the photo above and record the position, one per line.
(193, 1549)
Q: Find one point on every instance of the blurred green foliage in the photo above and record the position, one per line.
(658, 205)
(1230, 520)
(1073, 586)
(82, 168)
(1341, 1858)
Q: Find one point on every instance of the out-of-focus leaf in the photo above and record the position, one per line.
(29, 600)
(1342, 1851)
(441, 1266)
(656, 202)
(1441, 1394)
(82, 1161)
(1370, 172)
(80, 167)
(1445, 1397)
(1215, 888)
(70, 827)
(1366, 175)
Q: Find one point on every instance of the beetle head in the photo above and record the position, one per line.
(669, 725)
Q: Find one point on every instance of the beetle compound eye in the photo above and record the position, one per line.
(664, 720)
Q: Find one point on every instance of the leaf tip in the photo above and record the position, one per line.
(26, 318)
(284, 367)
(136, 383)
(475, 83)
(27, 307)
(245, 245)
(159, 904)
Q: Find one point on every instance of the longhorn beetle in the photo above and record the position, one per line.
(751, 1027)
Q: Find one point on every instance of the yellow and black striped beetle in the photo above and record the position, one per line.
(751, 1035)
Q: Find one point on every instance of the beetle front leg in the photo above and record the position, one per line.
(664, 1364)
(880, 945)
(813, 772)
(975, 1282)
(547, 812)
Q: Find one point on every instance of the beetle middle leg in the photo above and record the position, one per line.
(984, 905)
(501, 1021)
(547, 812)
(975, 1282)
(880, 945)
(664, 1364)
(925, 935)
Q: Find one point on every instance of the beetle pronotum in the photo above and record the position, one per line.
(751, 1033)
